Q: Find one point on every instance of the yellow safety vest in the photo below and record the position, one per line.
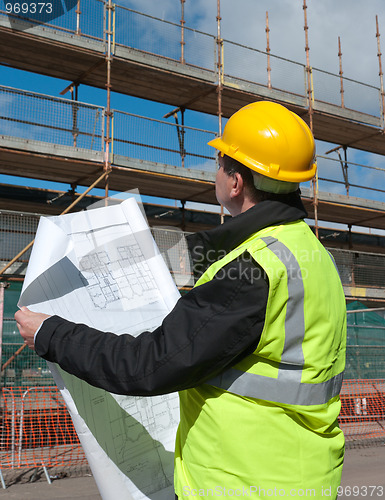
(268, 426)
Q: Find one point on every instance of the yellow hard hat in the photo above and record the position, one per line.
(270, 139)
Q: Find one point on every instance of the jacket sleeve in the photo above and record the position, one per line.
(209, 329)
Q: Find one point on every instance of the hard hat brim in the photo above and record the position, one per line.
(272, 171)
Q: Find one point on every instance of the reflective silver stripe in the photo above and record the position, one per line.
(292, 359)
(287, 388)
(281, 390)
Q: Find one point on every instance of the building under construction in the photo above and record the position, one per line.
(84, 146)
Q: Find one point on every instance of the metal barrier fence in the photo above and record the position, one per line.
(246, 63)
(91, 20)
(346, 92)
(38, 117)
(164, 38)
(37, 430)
(173, 247)
(365, 362)
(27, 369)
(88, 20)
(353, 179)
(147, 33)
(362, 269)
(17, 229)
(193, 47)
(27, 116)
(162, 142)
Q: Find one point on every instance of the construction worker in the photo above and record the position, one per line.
(256, 348)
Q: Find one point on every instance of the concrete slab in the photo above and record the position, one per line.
(363, 474)
(363, 477)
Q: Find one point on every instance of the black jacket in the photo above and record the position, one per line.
(210, 328)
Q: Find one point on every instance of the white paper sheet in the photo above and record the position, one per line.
(102, 268)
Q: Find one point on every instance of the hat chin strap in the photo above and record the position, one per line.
(270, 185)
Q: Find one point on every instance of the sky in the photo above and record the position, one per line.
(243, 22)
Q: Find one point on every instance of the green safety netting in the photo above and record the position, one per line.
(27, 369)
(365, 353)
(366, 327)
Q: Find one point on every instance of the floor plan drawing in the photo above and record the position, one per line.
(102, 268)
(109, 280)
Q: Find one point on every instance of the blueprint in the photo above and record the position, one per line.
(109, 279)
(102, 267)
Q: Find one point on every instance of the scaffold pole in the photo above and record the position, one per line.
(381, 75)
(310, 111)
(267, 29)
(341, 73)
(78, 12)
(182, 23)
(219, 66)
(220, 80)
(107, 138)
(2, 287)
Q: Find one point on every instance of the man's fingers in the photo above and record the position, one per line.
(21, 315)
(28, 322)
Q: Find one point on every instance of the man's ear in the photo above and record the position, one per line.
(237, 186)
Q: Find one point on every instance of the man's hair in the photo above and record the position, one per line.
(231, 166)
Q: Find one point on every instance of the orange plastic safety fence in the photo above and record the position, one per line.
(36, 429)
(362, 414)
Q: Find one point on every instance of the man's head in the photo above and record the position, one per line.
(236, 187)
(265, 152)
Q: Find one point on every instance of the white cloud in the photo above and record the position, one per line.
(353, 21)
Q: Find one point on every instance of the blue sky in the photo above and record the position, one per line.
(244, 23)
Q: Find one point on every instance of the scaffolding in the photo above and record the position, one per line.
(73, 126)
(91, 142)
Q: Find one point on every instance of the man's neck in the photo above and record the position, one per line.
(242, 206)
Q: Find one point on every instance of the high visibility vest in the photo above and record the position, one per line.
(268, 425)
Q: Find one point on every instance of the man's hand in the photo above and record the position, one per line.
(27, 323)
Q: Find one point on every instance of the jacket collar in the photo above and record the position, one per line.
(207, 247)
